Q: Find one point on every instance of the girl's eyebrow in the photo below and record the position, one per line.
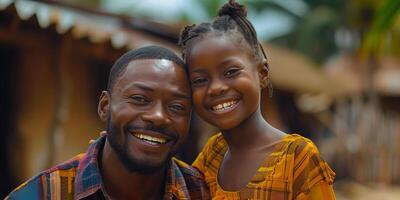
(198, 70)
(226, 61)
(229, 60)
(223, 62)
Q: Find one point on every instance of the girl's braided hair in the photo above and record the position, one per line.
(230, 18)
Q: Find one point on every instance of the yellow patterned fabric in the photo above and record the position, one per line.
(294, 170)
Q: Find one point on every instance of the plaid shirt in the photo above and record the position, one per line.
(80, 178)
(293, 170)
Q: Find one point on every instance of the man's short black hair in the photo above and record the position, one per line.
(148, 52)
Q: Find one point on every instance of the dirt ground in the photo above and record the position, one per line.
(355, 191)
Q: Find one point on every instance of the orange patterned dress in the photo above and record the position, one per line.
(294, 170)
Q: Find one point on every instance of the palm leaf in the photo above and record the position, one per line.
(383, 21)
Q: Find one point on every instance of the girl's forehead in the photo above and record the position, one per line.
(217, 53)
(216, 45)
(221, 39)
(229, 35)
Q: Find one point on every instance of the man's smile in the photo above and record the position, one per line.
(150, 139)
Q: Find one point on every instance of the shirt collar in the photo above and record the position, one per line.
(175, 185)
(88, 178)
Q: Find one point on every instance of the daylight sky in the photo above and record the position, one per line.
(269, 23)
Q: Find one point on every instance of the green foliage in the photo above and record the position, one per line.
(259, 6)
(382, 25)
(211, 6)
(315, 35)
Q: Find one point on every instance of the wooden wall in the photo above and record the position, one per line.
(57, 84)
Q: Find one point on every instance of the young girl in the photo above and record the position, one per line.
(249, 159)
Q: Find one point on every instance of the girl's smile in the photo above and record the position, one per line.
(225, 106)
(225, 81)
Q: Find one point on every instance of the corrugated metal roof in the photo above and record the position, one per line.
(82, 24)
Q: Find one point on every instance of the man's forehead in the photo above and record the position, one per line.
(155, 65)
(152, 72)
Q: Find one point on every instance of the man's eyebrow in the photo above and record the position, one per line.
(143, 87)
(179, 94)
(175, 93)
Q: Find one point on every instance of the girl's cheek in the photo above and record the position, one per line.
(198, 98)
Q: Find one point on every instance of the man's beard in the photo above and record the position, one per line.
(131, 163)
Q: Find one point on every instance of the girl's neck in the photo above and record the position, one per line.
(253, 133)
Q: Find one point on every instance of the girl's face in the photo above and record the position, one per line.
(225, 82)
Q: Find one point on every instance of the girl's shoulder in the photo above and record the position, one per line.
(215, 141)
(216, 146)
(297, 161)
(308, 165)
(296, 144)
(302, 150)
(212, 153)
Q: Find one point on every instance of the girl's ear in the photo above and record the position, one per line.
(263, 73)
(103, 108)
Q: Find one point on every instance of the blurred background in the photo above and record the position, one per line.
(335, 67)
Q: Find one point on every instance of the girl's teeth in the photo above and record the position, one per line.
(223, 106)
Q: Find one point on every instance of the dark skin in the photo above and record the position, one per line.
(224, 70)
(119, 183)
(140, 99)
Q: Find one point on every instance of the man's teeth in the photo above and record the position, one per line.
(150, 139)
(224, 106)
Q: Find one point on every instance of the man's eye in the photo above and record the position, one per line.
(232, 72)
(139, 99)
(177, 107)
(199, 81)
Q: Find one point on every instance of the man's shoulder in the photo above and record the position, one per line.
(39, 186)
(189, 181)
(187, 170)
(30, 189)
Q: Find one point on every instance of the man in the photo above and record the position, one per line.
(146, 108)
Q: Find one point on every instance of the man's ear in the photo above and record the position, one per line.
(263, 73)
(103, 108)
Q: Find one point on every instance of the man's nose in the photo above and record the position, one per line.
(157, 116)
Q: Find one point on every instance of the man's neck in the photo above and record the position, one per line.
(120, 183)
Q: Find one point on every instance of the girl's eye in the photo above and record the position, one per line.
(139, 99)
(199, 81)
(177, 107)
(232, 72)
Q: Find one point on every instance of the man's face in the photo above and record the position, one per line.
(148, 113)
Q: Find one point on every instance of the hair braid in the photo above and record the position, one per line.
(231, 17)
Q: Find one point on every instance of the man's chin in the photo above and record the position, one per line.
(143, 167)
(130, 160)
